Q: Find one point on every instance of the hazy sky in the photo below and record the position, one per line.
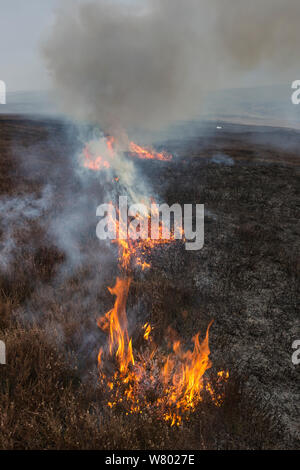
(22, 24)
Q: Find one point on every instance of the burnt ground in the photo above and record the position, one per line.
(245, 278)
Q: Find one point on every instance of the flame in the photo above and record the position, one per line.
(139, 249)
(183, 375)
(147, 328)
(145, 154)
(115, 322)
(110, 142)
(175, 379)
(179, 380)
(100, 162)
(93, 163)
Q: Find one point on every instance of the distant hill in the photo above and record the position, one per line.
(266, 106)
(29, 102)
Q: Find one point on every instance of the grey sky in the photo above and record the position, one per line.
(22, 24)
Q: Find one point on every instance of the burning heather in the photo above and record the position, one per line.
(174, 381)
(171, 383)
(143, 153)
(119, 323)
(94, 161)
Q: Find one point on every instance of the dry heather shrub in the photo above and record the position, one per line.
(45, 405)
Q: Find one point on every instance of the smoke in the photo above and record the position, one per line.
(144, 64)
(16, 215)
(222, 159)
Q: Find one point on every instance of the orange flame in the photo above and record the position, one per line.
(99, 162)
(143, 153)
(147, 328)
(176, 379)
(95, 164)
(115, 322)
(110, 142)
(182, 375)
(130, 249)
(180, 380)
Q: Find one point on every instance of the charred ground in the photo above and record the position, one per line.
(245, 278)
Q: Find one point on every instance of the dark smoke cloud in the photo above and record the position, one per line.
(146, 63)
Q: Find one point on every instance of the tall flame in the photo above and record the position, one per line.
(179, 382)
(98, 162)
(177, 378)
(115, 322)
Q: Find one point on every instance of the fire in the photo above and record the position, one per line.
(147, 328)
(143, 153)
(94, 163)
(184, 370)
(110, 142)
(179, 380)
(137, 250)
(100, 162)
(115, 323)
(176, 379)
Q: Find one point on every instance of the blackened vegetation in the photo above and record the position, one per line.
(245, 278)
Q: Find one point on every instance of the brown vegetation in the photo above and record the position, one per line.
(245, 278)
